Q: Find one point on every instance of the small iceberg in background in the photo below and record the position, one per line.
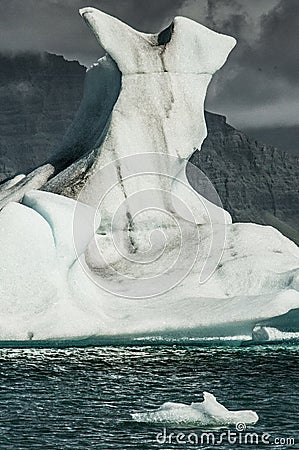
(261, 334)
(207, 413)
(280, 328)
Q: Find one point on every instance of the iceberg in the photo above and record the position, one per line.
(163, 77)
(262, 334)
(207, 413)
(117, 244)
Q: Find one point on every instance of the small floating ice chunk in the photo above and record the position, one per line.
(262, 333)
(207, 413)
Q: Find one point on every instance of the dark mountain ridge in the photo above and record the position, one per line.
(39, 96)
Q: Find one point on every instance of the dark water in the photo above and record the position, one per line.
(82, 398)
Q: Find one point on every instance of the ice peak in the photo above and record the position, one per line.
(183, 47)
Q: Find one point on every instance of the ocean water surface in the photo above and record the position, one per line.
(82, 398)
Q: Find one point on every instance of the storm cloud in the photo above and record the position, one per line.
(55, 25)
(259, 86)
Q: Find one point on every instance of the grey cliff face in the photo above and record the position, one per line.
(256, 183)
(39, 97)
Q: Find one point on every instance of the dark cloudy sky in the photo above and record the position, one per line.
(259, 86)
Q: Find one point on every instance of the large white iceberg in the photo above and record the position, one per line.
(137, 252)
